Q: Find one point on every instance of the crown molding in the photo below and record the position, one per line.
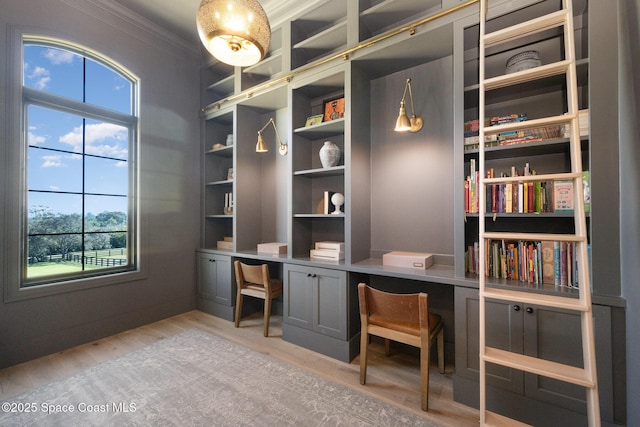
(96, 8)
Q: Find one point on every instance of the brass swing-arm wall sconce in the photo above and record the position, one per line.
(262, 148)
(404, 123)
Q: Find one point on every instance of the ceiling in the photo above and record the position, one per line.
(179, 16)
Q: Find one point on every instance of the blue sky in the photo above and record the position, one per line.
(60, 72)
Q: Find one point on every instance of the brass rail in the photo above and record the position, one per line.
(411, 28)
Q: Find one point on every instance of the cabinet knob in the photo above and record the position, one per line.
(516, 307)
(529, 310)
(314, 275)
(212, 260)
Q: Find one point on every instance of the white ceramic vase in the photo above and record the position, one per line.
(330, 154)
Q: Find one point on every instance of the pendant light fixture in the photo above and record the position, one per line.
(236, 32)
(404, 123)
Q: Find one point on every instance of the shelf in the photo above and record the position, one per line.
(322, 130)
(321, 172)
(220, 216)
(328, 39)
(534, 236)
(378, 16)
(523, 215)
(336, 216)
(223, 182)
(226, 151)
(548, 146)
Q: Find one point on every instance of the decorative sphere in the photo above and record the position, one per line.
(337, 199)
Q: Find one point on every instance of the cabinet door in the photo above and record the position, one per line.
(330, 309)
(214, 278)
(298, 296)
(555, 335)
(504, 331)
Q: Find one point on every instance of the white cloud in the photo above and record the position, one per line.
(57, 56)
(52, 161)
(54, 188)
(34, 139)
(39, 76)
(102, 139)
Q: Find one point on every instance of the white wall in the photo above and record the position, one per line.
(169, 179)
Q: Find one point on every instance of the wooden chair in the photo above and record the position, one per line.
(254, 281)
(404, 318)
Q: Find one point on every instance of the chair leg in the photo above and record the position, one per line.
(267, 315)
(441, 351)
(238, 308)
(387, 346)
(364, 343)
(424, 378)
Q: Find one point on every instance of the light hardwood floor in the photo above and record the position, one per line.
(394, 379)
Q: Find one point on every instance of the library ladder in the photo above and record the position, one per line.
(586, 376)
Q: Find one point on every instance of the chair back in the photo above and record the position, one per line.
(397, 308)
(258, 274)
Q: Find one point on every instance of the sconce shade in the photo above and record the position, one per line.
(260, 146)
(236, 32)
(404, 123)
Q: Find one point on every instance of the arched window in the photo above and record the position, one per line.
(80, 125)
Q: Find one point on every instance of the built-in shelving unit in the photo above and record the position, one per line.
(402, 192)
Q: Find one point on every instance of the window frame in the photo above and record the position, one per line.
(14, 243)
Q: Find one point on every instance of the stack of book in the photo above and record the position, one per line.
(332, 251)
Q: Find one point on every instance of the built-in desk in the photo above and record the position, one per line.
(320, 302)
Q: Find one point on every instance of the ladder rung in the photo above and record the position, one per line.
(542, 23)
(523, 297)
(546, 177)
(533, 236)
(497, 420)
(546, 368)
(524, 76)
(529, 124)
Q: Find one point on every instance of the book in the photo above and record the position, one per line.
(563, 196)
(586, 190)
(325, 206)
(547, 262)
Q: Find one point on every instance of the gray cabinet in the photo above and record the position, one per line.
(543, 332)
(316, 311)
(216, 289)
(315, 299)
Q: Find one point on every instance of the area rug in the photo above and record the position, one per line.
(198, 379)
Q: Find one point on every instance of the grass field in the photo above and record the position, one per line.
(53, 268)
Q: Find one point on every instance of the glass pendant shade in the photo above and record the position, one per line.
(236, 32)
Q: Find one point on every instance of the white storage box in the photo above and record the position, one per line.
(408, 259)
(273, 248)
(332, 246)
(223, 244)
